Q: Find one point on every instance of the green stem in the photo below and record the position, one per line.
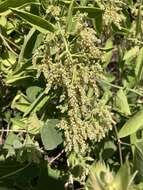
(15, 172)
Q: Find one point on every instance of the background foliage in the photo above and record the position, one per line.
(71, 97)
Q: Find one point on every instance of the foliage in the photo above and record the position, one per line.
(71, 75)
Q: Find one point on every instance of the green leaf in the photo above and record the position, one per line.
(69, 17)
(20, 102)
(18, 124)
(108, 55)
(9, 140)
(51, 137)
(132, 125)
(108, 150)
(129, 55)
(139, 66)
(83, 2)
(4, 6)
(35, 21)
(122, 177)
(33, 124)
(49, 178)
(32, 92)
(18, 79)
(27, 48)
(98, 22)
(121, 103)
(95, 179)
(37, 104)
(93, 12)
(138, 160)
(139, 22)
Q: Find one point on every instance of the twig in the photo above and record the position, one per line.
(127, 144)
(11, 130)
(55, 158)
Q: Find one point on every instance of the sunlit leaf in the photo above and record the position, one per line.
(132, 125)
(35, 21)
(50, 135)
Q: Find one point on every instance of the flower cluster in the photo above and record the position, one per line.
(112, 14)
(73, 70)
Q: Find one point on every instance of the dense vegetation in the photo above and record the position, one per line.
(71, 96)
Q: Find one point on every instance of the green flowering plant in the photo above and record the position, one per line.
(71, 94)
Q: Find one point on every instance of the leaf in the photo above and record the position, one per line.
(9, 140)
(138, 160)
(129, 55)
(69, 17)
(51, 137)
(4, 6)
(49, 178)
(95, 179)
(83, 2)
(121, 103)
(18, 124)
(108, 150)
(18, 79)
(132, 125)
(33, 124)
(108, 55)
(35, 21)
(139, 65)
(37, 104)
(139, 22)
(27, 48)
(122, 177)
(32, 92)
(20, 102)
(93, 12)
(17, 144)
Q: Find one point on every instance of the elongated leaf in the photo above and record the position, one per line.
(15, 79)
(20, 102)
(36, 105)
(139, 22)
(131, 53)
(132, 125)
(138, 160)
(35, 21)
(121, 103)
(108, 55)
(93, 12)
(122, 178)
(4, 6)
(139, 65)
(69, 18)
(29, 42)
(51, 138)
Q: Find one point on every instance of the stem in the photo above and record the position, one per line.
(120, 87)
(55, 158)
(15, 172)
(119, 146)
(11, 130)
(131, 180)
(6, 44)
